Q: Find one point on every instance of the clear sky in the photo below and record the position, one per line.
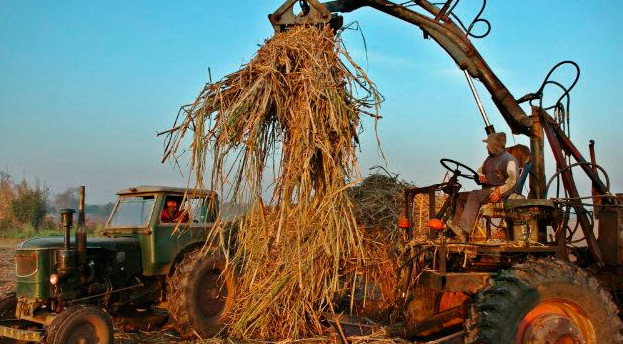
(85, 85)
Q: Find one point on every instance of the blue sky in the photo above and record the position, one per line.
(85, 86)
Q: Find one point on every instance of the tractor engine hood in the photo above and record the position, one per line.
(112, 244)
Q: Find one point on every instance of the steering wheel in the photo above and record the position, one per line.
(456, 168)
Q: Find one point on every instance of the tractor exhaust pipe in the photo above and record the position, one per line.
(67, 221)
(66, 257)
(81, 232)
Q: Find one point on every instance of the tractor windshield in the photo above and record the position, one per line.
(132, 212)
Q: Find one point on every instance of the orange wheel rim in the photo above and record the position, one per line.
(556, 321)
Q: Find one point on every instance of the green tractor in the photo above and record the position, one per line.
(69, 290)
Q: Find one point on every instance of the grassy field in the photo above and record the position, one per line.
(29, 232)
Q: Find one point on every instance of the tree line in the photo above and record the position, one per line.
(25, 205)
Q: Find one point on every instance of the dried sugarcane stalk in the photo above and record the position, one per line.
(288, 119)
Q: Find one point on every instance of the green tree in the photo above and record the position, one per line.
(6, 195)
(29, 206)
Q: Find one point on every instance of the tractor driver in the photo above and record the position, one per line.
(171, 212)
(497, 175)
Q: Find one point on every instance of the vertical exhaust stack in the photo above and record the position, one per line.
(67, 221)
(81, 232)
(66, 257)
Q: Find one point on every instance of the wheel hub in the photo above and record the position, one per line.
(212, 294)
(553, 329)
(83, 333)
(556, 321)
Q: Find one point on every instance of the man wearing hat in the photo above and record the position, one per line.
(497, 175)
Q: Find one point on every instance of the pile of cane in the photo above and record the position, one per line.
(281, 134)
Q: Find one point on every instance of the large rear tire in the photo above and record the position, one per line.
(200, 294)
(82, 324)
(545, 301)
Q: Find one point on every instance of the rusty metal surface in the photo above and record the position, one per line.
(484, 248)
(469, 282)
(560, 143)
(610, 228)
(555, 321)
(537, 174)
(435, 322)
(594, 189)
(25, 335)
(313, 13)
(553, 131)
(550, 329)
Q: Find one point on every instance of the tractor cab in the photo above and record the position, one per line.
(155, 214)
(145, 208)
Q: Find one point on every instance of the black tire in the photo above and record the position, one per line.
(200, 295)
(545, 301)
(8, 304)
(82, 324)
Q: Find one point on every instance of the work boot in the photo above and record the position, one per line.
(457, 230)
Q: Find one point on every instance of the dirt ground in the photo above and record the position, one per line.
(7, 264)
(7, 283)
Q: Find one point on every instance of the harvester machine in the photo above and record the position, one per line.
(521, 277)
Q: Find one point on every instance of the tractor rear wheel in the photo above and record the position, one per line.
(200, 294)
(8, 304)
(82, 324)
(544, 301)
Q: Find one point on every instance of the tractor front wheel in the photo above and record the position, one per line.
(8, 304)
(544, 301)
(200, 294)
(82, 324)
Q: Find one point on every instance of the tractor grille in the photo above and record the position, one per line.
(26, 264)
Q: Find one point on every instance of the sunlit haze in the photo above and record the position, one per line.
(85, 86)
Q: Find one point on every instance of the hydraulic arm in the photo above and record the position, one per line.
(437, 23)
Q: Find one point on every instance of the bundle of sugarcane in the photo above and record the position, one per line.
(294, 108)
(377, 202)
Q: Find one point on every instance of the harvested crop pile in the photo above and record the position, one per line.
(377, 202)
(287, 120)
(379, 199)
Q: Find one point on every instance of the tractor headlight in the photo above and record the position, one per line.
(53, 279)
